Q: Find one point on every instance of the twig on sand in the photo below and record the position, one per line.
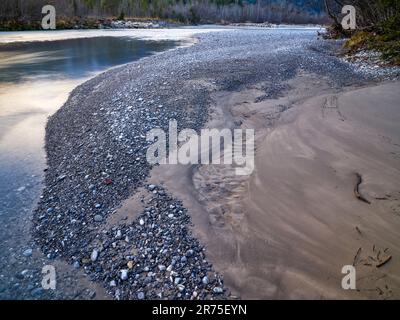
(357, 193)
(355, 260)
(384, 261)
(358, 230)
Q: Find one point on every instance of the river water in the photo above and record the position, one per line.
(35, 80)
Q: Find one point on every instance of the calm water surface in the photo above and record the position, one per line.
(35, 80)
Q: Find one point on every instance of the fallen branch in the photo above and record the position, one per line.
(357, 193)
(383, 262)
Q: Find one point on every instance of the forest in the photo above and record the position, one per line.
(184, 11)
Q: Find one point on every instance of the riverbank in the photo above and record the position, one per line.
(134, 247)
(287, 231)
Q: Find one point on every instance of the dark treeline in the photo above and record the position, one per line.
(370, 13)
(186, 11)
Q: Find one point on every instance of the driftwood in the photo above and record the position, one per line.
(357, 193)
(384, 261)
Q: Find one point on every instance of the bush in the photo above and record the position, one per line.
(385, 38)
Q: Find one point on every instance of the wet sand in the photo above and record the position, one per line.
(286, 231)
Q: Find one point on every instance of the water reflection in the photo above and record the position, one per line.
(35, 80)
(72, 58)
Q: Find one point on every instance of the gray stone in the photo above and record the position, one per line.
(161, 267)
(27, 253)
(124, 274)
(218, 290)
(94, 255)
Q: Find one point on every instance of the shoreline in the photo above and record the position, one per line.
(106, 146)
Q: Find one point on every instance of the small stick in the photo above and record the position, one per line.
(357, 192)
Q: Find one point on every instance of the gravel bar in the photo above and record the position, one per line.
(96, 152)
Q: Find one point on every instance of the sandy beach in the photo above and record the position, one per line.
(286, 231)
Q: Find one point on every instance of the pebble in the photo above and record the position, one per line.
(37, 292)
(218, 290)
(140, 295)
(98, 218)
(94, 255)
(124, 274)
(161, 267)
(24, 272)
(205, 280)
(27, 253)
(181, 287)
(119, 234)
(61, 177)
(189, 253)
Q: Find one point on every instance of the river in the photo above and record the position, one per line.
(37, 72)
